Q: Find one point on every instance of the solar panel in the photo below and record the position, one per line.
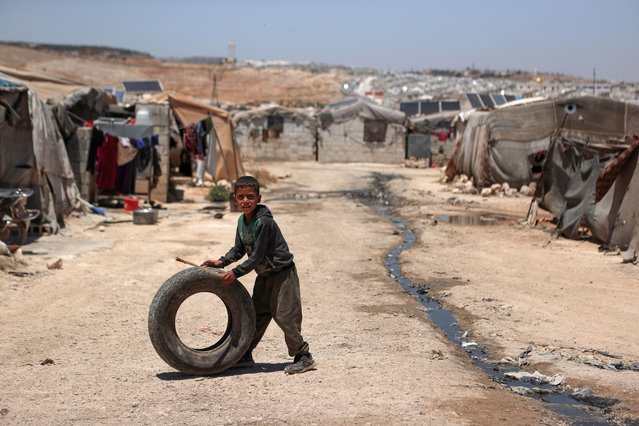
(498, 99)
(474, 99)
(143, 86)
(409, 108)
(486, 100)
(510, 98)
(429, 107)
(451, 106)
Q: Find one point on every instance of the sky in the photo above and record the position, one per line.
(574, 37)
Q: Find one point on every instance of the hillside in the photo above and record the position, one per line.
(233, 84)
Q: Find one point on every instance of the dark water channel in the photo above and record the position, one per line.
(561, 402)
(577, 412)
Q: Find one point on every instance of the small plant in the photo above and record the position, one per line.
(219, 192)
(441, 149)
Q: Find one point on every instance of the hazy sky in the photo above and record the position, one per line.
(568, 36)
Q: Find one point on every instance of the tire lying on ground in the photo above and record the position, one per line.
(221, 355)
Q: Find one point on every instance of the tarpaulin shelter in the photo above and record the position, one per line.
(83, 102)
(33, 155)
(228, 163)
(274, 132)
(361, 131)
(505, 145)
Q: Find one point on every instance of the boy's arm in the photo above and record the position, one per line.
(263, 234)
(235, 253)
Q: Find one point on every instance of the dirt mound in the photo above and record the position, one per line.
(227, 83)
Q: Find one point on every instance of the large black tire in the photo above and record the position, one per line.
(224, 353)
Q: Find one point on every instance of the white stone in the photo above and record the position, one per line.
(486, 192)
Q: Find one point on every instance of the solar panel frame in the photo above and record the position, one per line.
(475, 100)
(143, 86)
(409, 108)
(498, 98)
(486, 100)
(450, 106)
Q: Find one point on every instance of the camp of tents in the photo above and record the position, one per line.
(570, 146)
(582, 152)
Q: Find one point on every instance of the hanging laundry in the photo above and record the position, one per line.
(97, 137)
(193, 141)
(107, 163)
(126, 152)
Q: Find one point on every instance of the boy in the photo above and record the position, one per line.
(276, 293)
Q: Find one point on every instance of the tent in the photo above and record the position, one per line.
(228, 164)
(508, 145)
(359, 131)
(276, 133)
(33, 155)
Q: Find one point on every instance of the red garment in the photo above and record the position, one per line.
(107, 163)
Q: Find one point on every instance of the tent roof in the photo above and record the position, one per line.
(47, 86)
(362, 109)
(295, 114)
(185, 108)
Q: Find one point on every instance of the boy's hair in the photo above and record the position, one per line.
(247, 181)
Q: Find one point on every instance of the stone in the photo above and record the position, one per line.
(463, 178)
(57, 264)
(486, 192)
(4, 250)
(495, 188)
(526, 190)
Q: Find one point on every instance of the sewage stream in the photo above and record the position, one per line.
(586, 410)
(559, 401)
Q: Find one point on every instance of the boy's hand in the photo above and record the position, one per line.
(228, 277)
(216, 263)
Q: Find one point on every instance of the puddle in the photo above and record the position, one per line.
(561, 402)
(470, 220)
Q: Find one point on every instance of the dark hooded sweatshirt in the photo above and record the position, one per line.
(263, 242)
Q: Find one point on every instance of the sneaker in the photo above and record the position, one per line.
(301, 363)
(246, 361)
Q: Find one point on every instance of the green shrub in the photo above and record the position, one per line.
(219, 192)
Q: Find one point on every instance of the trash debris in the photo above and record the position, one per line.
(4, 411)
(468, 344)
(21, 274)
(522, 390)
(535, 377)
(57, 264)
(47, 361)
(585, 395)
(527, 352)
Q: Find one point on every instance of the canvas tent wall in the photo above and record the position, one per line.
(276, 133)
(228, 163)
(503, 145)
(361, 131)
(33, 155)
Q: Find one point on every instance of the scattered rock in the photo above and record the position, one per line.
(4, 411)
(47, 361)
(57, 264)
(495, 188)
(457, 191)
(4, 250)
(526, 191)
(486, 192)
(463, 178)
(101, 228)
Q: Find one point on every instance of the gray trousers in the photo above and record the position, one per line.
(277, 297)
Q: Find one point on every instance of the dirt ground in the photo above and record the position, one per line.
(75, 346)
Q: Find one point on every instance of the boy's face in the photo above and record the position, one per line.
(246, 199)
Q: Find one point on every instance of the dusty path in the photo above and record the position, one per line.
(380, 361)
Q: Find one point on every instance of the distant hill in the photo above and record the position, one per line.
(76, 50)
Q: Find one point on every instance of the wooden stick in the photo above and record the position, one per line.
(179, 259)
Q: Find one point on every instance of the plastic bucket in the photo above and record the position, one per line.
(131, 203)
